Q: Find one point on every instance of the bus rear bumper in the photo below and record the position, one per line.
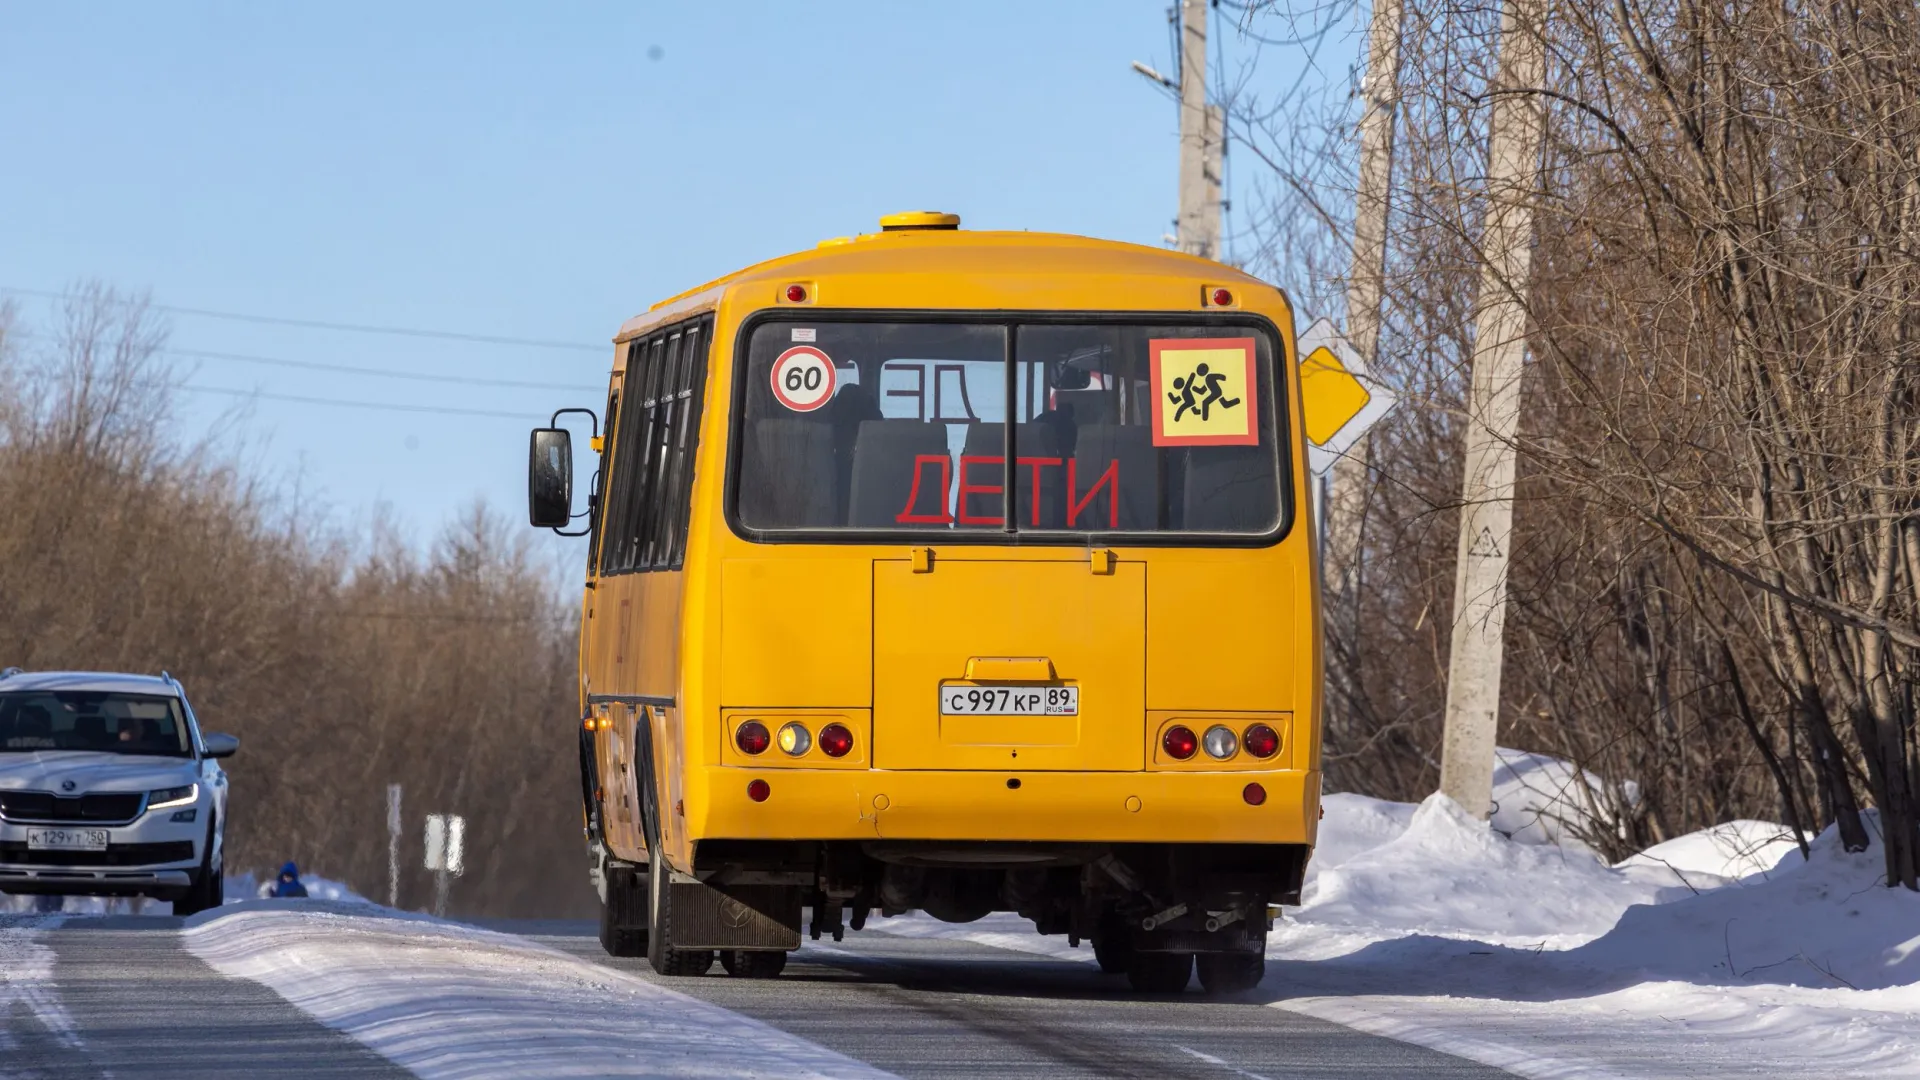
(1119, 807)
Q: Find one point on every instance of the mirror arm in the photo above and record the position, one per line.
(554, 421)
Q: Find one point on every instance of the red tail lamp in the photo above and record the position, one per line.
(836, 740)
(758, 790)
(796, 294)
(1222, 298)
(1261, 741)
(1254, 794)
(1180, 742)
(752, 737)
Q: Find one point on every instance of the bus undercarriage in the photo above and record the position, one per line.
(1148, 909)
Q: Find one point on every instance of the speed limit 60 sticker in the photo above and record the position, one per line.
(803, 378)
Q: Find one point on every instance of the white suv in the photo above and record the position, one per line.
(108, 788)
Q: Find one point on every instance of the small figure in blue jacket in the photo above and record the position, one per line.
(289, 883)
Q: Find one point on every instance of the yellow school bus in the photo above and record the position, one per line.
(955, 572)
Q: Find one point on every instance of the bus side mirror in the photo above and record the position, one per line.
(221, 746)
(550, 478)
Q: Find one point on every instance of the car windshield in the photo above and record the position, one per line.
(150, 725)
(854, 429)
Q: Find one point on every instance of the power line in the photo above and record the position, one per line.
(349, 369)
(320, 324)
(418, 376)
(297, 399)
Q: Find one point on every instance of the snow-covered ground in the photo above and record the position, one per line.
(26, 981)
(238, 887)
(450, 1001)
(1719, 954)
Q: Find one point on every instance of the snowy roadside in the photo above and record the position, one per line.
(26, 985)
(450, 1001)
(1424, 925)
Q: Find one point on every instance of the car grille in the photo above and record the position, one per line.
(44, 806)
(16, 854)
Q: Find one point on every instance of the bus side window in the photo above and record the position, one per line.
(648, 491)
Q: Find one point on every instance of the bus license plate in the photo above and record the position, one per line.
(66, 839)
(1010, 701)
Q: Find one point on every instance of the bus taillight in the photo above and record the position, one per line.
(1179, 742)
(751, 737)
(1261, 741)
(836, 740)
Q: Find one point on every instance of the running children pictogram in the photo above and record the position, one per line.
(1205, 391)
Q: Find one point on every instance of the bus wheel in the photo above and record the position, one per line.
(1231, 973)
(666, 959)
(1112, 944)
(623, 914)
(756, 964)
(1159, 972)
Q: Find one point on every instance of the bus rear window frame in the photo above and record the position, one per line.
(1011, 320)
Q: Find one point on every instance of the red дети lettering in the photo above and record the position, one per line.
(983, 489)
(920, 461)
(1033, 496)
(1110, 479)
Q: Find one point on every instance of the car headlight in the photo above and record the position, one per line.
(173, 796)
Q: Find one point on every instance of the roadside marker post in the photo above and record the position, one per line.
(446, 854)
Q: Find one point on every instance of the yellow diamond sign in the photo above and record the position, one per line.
(1329, 395)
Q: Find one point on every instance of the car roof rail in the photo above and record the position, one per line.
(10, 672)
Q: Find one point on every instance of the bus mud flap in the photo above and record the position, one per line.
(734, 916)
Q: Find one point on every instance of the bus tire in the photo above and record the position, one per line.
(1112, 944)
(753, 964)
(1159, 972)
(666, 959)
(1231, 972)
(623, 914)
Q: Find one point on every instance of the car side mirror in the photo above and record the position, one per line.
(221, 746)
(550, 478)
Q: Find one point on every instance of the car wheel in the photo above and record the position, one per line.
(205, 888)
(666, 959)
(1231, 973)
(755, 964)
(1159, 972)
(623, 914)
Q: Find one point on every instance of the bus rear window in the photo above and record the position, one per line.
(875, 427)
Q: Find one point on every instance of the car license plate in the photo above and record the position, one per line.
(66, 839)
(970, 700)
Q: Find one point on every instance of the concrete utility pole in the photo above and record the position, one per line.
(1202, 130)
(1380, 90)
(1493, 411)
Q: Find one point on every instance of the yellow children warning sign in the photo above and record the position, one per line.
(1206, 392)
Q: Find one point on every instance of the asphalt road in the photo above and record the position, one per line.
(129, 1001)
(134, 1003)
(945, 1010)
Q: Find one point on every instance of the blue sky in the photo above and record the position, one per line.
(538, 172)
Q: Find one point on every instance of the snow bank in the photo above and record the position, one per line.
(1722, 953)
(1543, 800)
(450, 1001)
(1735, 849)
(1805, 970)
(1449, 874)
(238, 887)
